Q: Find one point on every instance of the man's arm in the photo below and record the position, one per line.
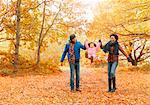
(82, 46)
(64, 53)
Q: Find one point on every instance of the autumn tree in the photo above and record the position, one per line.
(17, 34)
(27, 29)
(138, 50)
(58, 19)
(42, 23)
(127, 18)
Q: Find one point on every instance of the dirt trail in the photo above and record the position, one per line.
(133, 89)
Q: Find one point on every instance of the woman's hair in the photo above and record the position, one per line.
(115, 35)
(91, 43)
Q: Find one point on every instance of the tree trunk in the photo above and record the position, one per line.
(40, 36)
(134, 63)
(16, 55)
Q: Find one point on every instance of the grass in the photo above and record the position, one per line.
(6, 72)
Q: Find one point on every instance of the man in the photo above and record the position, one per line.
(73, 50)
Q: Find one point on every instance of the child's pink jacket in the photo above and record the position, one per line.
(92, 51)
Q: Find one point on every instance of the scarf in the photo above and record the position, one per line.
(72, 54)
(112, 48)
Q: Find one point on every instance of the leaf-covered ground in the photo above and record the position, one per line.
(133, 88)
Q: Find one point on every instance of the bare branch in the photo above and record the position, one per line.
(142, 50)
(5, 39)
(37, 5)
(51, 23)
(144, 58)
(135, 52)
(126, 29)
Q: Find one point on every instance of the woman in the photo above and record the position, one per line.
(113, 47)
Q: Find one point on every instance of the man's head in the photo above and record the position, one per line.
(73, 38)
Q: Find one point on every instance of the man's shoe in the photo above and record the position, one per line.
(109, 90)
(72, 91)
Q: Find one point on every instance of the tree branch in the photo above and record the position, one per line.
(135, 52)
(126, 29)
(51, 23)
(144, 58)
(142, 50)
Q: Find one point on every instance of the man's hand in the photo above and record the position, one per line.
(61, 64)
(86, 41)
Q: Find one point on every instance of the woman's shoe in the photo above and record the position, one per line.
(113, 90)
(78, 90)
(114, 84)
(109, 84)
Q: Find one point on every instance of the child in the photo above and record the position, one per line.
(92, 48)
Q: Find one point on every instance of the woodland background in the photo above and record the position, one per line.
(34, 32)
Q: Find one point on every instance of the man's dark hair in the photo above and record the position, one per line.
(72, 36)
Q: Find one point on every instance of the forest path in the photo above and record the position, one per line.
(133, 88)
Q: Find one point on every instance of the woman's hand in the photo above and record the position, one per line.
(100, 44)
(129, 59)
(100, 41)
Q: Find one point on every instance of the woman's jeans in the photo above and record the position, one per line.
(74, 68)
(112, 69)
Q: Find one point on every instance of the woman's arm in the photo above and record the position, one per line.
(106, 48)
(98, 45)
(121, 49)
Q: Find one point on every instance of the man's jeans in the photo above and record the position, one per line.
(112, 69)
(74, 68)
